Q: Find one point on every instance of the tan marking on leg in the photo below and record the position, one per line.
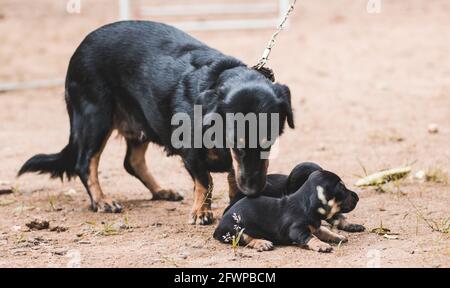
(139, 165)
(319, 246)
(326, 235)
(232, 186)
(236, 170)
(137, 161)
(201, 210)
(258, 244)
(100, 201)
(93, 183)
(335, 208)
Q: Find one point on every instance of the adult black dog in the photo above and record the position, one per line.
(294, 218)
(279, 185)
(133, 76)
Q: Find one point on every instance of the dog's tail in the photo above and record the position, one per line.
(55, 164)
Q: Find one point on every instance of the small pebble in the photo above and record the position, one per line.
(420, 175)
(433, 128)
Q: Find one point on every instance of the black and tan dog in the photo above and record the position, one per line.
(279, 185)
(133, 76)
(283, 217)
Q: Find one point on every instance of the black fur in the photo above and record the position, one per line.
(55, 164)
(287, 218)
(134, 75)
(279, 185)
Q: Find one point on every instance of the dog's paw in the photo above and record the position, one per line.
(319, 246)
(352, 228)
(202, 217)
(340, 239)
(260, 245)
(167, 195)
(106, 205)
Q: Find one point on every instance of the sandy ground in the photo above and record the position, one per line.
(365, 88)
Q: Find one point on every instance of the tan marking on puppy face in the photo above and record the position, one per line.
(321, 195)
(322, 211)
(334, 208)
(331, 202)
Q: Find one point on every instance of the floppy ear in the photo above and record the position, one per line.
(208, 100)
(284, 94)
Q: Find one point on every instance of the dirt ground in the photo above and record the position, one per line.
(365, 88)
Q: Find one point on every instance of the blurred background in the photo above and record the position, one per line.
(370, 83)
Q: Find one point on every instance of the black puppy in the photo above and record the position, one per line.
(295, 218)
(134, 76)
(279, 185)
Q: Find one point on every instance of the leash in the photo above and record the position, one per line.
(261, 66)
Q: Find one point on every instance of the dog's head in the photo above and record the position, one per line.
(256, 113)
(328, 194)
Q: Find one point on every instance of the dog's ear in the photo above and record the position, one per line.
(284, 94)
(209, 103)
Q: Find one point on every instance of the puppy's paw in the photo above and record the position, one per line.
(339, 239)
(319, 246)
(260, 245)
(349, 227)
(168, 195)
(202, 217)
(106, 205)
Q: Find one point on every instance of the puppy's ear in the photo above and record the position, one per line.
(284, 94)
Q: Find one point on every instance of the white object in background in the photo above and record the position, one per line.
(124, 8)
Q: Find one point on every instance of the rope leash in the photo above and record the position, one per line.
(261, 66)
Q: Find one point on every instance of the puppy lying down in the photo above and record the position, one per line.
(291, 211)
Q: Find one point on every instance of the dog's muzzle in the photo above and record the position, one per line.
(350, 202)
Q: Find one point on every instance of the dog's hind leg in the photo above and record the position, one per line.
(91, 147)
(91, 122)
(341, 223)
(136, 165)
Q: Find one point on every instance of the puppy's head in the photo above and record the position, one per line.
(329, 195)
(255, 116)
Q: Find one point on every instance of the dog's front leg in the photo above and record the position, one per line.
(328, 236)
(303, 237)
(233, 190)
(201, 209)
(341, 223)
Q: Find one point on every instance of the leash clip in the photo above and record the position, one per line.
(265, 71)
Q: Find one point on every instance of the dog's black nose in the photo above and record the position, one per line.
(252, 185)
(355, 196)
